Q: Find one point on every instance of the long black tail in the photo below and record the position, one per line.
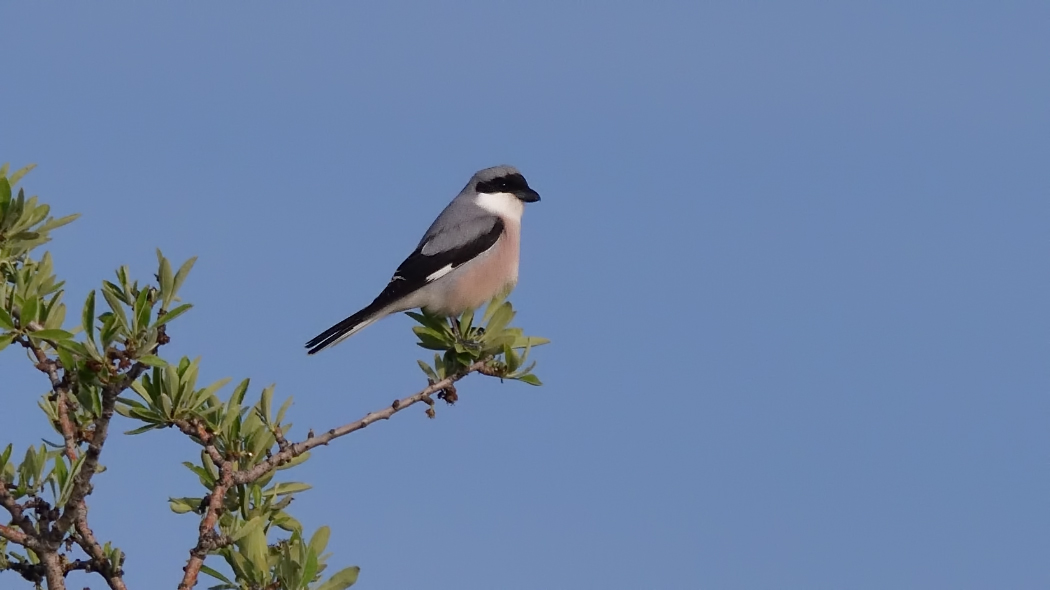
(344, 329)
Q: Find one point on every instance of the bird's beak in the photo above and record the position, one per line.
(527, 195)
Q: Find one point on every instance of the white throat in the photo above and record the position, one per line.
(506, 205)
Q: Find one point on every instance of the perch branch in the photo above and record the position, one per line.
(294, 450)
(208, 539)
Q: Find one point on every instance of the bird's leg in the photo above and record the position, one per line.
(461, 338)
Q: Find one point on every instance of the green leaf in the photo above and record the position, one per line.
(266, 403)
(13, 212)
(152, 360)
(285, 522)
(6, 321)
(500, 318)
(493, 306)
(288, 487)
(78, 348)
(309, 570)
(26, 236)
(239, 565)
(441, 335)
(434, 323)
(341, 580)
(284, 408)
(167, 317)
(211, 572)
(51, 224)
(5, 456)
(115, 304)
(512, 360)
(210, 390)
(248, 528)
(427, 340)
(166, 279)
(6, 339)
(254, 547)
(466, 321)
(165, 405)
(51, 334)
(88, 317)
(524, 341)
(206, 478)
(142, 310)
(184, 505)
(18, 174)
(28, 312)
(144, 414)
(5, 194)
(319, 540)
(67, 486)
(181, 275)
(530, 379)
(428, 372)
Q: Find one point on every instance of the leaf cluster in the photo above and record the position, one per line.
(24, 222)
(30, 295)
(461, 343)
(293, 564)
(115, 348)
(241, 436)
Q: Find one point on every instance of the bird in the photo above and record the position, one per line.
(468, 256)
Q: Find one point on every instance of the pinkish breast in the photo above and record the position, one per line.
(486, 276)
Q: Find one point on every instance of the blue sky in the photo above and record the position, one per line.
(793, 259)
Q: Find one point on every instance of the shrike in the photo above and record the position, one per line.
(468, 256)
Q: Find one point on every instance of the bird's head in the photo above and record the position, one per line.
(504, 180)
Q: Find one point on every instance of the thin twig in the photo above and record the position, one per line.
(206, 533)
(250, 475)
(27, 536)
(208, 539)
(13, 535)
(87, 541)
(35, 572)
(49, 367)
(68, 432)
(194, 429)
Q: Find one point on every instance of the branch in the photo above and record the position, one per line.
(99, 560)
(43, 363)
(82, 483)
(49, 367)
(292, 451)
(27, 536)
(75, 513)
(53, 570)
(194, 429)
(209, 539)
(13, 535)
(36, 572)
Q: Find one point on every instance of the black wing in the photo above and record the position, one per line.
(416, 270)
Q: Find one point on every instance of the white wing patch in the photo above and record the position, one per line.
(437, 274)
